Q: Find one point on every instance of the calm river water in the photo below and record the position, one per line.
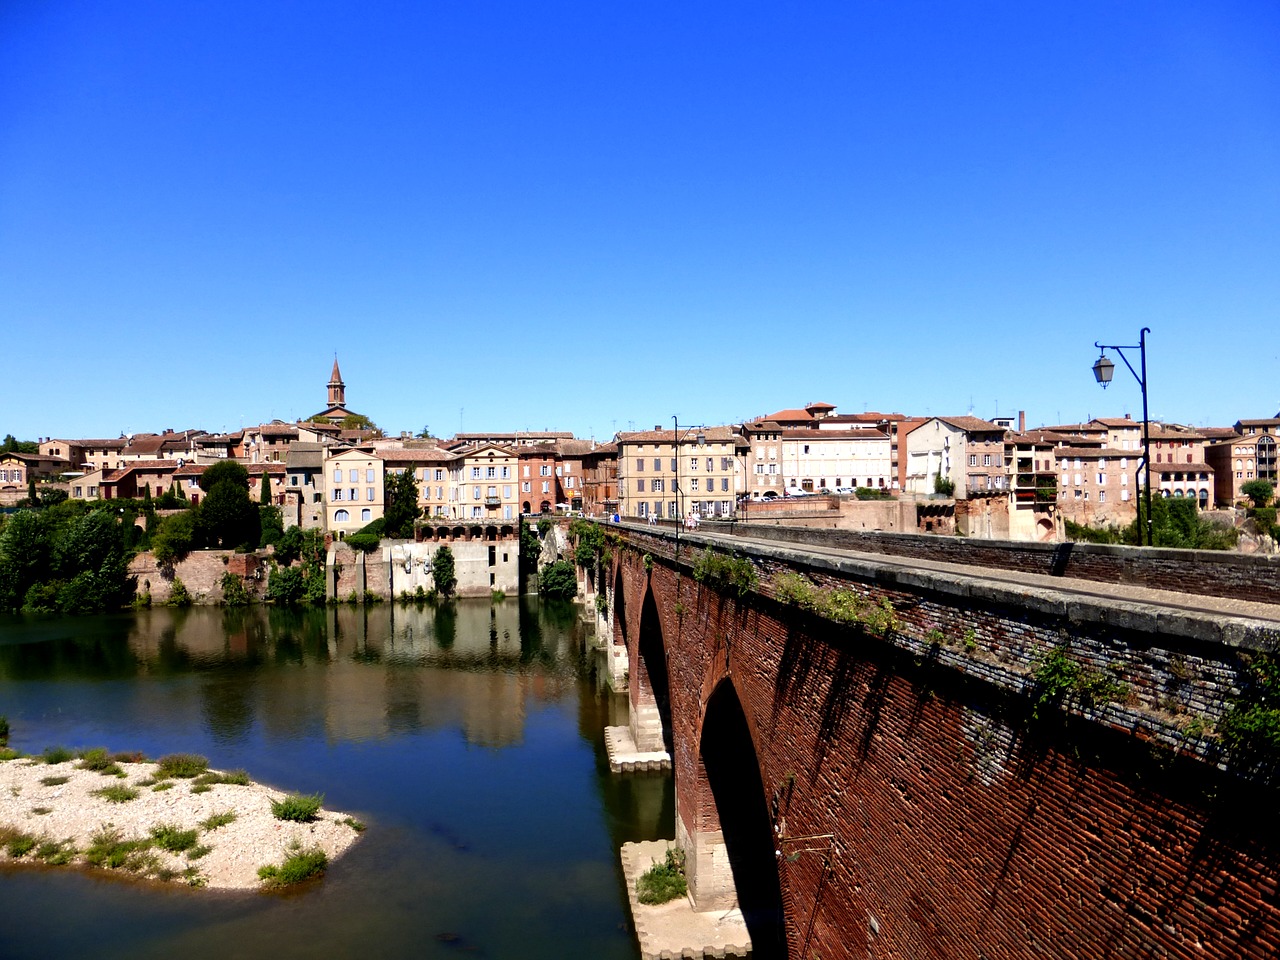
(470, 740)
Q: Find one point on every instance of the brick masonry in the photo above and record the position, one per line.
(201, 573)
(964, 825)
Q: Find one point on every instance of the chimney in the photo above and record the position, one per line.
(1022, 421)
(1127, 416)
(657, 426)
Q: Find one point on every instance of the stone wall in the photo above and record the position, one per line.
(201, 573)
(968, 820)
(400, 566)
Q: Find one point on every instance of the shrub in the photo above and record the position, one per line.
(233, 592)
(169, 837)
(558, 581)
(364, 542)
(178, 594)
(944, 485)
(99, 761)
(287, 586)
(4, 729)
(184, 765)
(665, 881)
(53, 755)
(108, 849)
(56, 853)
(54, 781)
(444, 572)
(298, 866)
(297, 807)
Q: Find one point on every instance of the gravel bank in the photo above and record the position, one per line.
(73, 813)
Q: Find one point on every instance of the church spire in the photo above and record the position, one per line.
(337, 389)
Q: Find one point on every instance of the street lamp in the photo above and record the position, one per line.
(1103, 369)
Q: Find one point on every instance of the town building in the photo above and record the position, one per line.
(355, 489)
(668, 475)
(967, 451)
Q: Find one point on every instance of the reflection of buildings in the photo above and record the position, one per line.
(350, 675)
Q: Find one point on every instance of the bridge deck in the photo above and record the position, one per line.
(1167, 599)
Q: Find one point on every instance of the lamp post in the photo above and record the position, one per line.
(1103, 369)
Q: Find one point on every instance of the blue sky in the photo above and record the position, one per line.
(594, 216)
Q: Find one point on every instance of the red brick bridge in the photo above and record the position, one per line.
(882, 756)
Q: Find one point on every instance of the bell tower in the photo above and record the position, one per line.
(337, 389)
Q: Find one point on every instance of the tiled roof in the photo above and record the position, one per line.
(714, 434)
(972, 424)
(793, 414)
(419, 455)
(833, 436)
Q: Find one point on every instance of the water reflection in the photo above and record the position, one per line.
(470, 737)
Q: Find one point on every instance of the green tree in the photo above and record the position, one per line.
(13, 445)
(287, 586)
(175, 537)
(289, 546)
(402, 505)
(224, 471)
(358, 421)
(424, 433)
(228, 518)
(271, 523)
(25, 552)
(944, 485)
(558, 581)
(1259, 492)
(264, 490)
(443, 572)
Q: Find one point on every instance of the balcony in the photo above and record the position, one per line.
(493, 501)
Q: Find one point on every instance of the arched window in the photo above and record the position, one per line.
(341, 516)
(366, 514)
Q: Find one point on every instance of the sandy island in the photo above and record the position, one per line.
(72, 814)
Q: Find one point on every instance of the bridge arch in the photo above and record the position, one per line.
(730, 842)
(651, 693)
(619, 607)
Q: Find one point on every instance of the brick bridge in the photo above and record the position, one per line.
(995, 765)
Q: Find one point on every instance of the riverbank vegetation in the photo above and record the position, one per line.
(1175, 522)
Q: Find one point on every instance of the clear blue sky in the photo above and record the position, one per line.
(590, 216)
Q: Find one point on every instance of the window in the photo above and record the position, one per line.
(710, 464)
(337, 475)
(439, 474)
(341, 516)
(986, 459)
(640, 484)
(526, 469)
(475, 473)
(1102, 496)
(366, 514)
(546, 470)
(973, 459)
(490, 472)
(726, 463)
(506, 491)
(693, 463)
(640, 464)
(671, 508)
(475, 493)
(693, 484)
(568, 482)
(724, 484)
(673, 464)
(368, 494)
(368, 475)
(337, 493)
(1124, 494)
(506, 473)
(546, 486)
(492, 492)
(354, 475)
(526, 487)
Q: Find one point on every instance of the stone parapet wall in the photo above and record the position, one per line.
(201, 573)
(1206, 572)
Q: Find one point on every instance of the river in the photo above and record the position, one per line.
(469, 739)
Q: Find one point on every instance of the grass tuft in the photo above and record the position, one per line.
(108, 849)
(18, 843)
(195, 853)
(169, 837)
(41, 811)
(117, 793)
(217, 820)
(181, 765)
(54, 755)
(56, 853)
(357, 825)
(298, 866)
(297, 807)
(162, 786)
(54, 781)
(663, 881)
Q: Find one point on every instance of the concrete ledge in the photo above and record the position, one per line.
(625, 758)
(674, 930)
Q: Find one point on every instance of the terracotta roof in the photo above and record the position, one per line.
(1182, 468)
(833, 436)
(1117, 421)
(763, 426)
(278, 430)
(1035, 436)
(1266, 422)
(1095, 453)
(517, 435)
(714, 434)
(793, 414)
(972, 424)
(1070, 428)
(420, 455)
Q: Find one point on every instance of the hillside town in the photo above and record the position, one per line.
(808, 465)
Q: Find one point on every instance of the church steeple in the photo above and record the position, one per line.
(337, 389)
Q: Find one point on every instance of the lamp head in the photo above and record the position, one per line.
(1102, 370)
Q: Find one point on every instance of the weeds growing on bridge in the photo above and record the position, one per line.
(1058, 677)
(734, 573)
(1250, 728)
(663, 881)
(834, 603)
